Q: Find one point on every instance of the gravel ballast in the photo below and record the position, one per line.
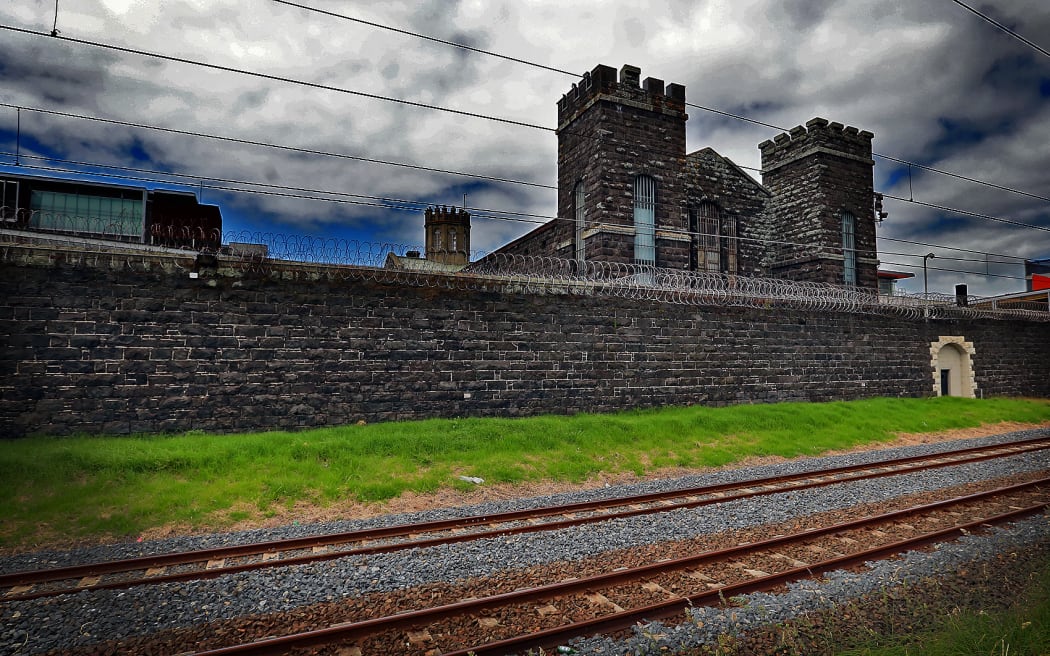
(85, 618)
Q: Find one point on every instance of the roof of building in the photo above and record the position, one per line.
(419, 264)
(895, 275)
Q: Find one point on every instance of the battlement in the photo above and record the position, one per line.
(443, 214)
(818, 135)
(602, 82)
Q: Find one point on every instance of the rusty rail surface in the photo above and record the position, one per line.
(625, 619)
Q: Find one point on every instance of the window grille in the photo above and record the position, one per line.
(849, 252)
(729, 244)
(709, 247)
(644, 220)
(580, 222)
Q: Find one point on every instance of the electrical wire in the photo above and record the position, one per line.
(424, 36)
(401, 204)
(373, 96)
(974, 273)
(451, 110)
(543, 219)
(1003, 27)
(413, 166)
(953, 248)
(293, 81)
(738, 117)
(300, 192)
(274, 78)
(264, 144)
(967, 213)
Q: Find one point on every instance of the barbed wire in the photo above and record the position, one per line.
(312, 258)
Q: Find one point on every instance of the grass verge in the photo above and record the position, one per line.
(105, 487)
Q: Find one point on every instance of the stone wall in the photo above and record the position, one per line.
(120, 344)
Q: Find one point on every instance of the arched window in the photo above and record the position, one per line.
(644, 220)
(577, 196)
(437, 238)
(453, 240)
(849, 246)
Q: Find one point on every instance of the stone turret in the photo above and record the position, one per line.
(821, 178)
(611, 130)
(447, 235)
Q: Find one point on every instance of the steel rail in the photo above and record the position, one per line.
(671, 608)
(817, 479)
(355, 630)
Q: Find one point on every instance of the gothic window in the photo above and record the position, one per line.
(578, 199)
(644, 220)
(453, 240)
(437, 239)
(849, 246)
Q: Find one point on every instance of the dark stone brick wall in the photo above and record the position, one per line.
(816, 172)
(610, 132)
(122, 347)
(612, 129)
(739, 198)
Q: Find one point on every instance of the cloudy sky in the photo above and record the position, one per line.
(939, 87)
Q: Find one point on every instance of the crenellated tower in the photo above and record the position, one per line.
(447, 235)
(821, 177)
(621, 156)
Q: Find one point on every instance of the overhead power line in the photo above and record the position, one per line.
(1002, 27)
(952, 248)
(476, 115)
(272, 189)
(454, 44)
(399, 204)
(264, 144)
(451, 110)
(973, 273)
(967, 213)
(275, 78)
(294, 149)
(688, 104)
(966, 178)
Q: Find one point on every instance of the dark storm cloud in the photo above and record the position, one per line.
(53, 72)
(936, 85)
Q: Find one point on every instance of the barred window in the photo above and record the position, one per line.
(578, 200)
(714, 242)
(644, 220)
(849, 245)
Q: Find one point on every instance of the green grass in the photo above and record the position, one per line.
(66, 488)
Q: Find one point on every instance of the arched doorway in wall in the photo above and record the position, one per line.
(952, 362)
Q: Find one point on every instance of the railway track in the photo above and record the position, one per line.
(549, 615)
(210, 563)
